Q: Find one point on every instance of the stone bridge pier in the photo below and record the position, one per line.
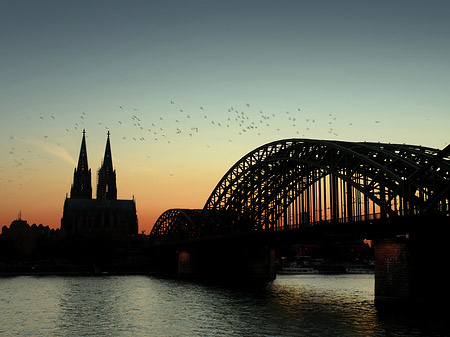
(413, 267)
(227, 263)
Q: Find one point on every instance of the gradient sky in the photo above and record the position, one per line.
(187, 88)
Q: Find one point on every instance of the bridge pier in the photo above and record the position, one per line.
(184, 264)
(412, 268)
(393, 270)
(260, 264)
(227, 263)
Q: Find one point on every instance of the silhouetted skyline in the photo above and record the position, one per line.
(187, 89)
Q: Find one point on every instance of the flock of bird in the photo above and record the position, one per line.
(176, 125)
(232, 121)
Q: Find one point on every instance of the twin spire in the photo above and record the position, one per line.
(106, 182)
(81, 187)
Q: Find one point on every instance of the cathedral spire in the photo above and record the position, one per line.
(106, 185)
(82, 159)
(107, 160)
(81, 187)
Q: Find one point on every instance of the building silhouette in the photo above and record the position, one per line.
(22, 240)
(105, 216)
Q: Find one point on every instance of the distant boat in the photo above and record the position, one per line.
(297, 271)
(360, 270)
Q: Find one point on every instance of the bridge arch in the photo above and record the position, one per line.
(293, 182)
(177, 225)
(296, 182)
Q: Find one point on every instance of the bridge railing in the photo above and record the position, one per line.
(360, 218)
(341, 220)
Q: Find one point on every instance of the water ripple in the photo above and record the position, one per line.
(306, 305)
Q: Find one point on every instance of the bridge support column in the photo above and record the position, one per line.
(411, 268)
(184, 264)
(393, 270)
(227, 263)
(247, 263)
(261, 264)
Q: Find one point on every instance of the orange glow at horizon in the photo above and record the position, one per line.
(168, 180)
(155, 188)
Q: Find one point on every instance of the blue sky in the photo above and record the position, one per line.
(187, 88)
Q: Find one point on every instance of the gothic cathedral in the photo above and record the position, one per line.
(104, 216)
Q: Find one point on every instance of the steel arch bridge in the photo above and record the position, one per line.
(292, 183)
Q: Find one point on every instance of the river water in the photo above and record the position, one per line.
(303, 305)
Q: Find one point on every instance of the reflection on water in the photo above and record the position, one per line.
(304, 305)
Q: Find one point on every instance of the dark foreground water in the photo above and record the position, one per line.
(305, 305)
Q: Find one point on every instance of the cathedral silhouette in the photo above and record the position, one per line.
(104, 216)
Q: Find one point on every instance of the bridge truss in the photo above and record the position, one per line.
(301, 182)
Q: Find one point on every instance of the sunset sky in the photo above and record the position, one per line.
(186, 88)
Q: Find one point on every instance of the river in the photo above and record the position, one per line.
(302, 305)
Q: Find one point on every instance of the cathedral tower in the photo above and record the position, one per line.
(106, 184)
(81, 187)
(105, 216)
